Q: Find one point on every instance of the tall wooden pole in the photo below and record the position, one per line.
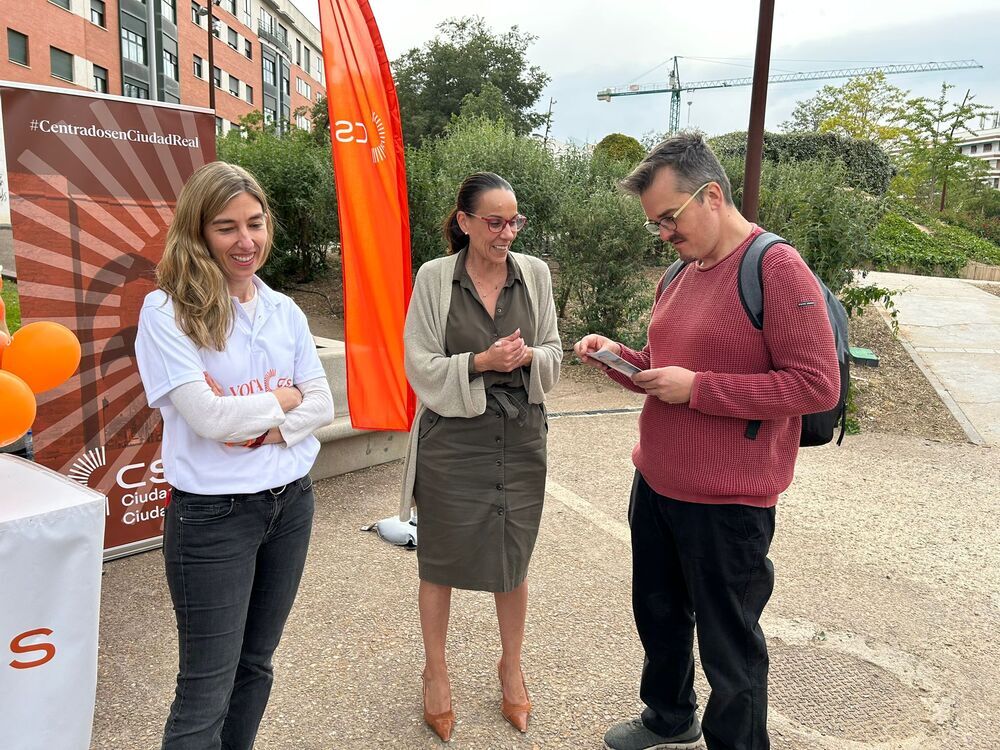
(758, 104)
(211, 56)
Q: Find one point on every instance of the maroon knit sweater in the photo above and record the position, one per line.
(697, 452)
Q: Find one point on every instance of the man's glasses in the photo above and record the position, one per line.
(495, 224)
(669, 224)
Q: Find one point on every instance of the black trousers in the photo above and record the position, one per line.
(704, 567)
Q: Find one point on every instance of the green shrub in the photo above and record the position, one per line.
(944, 249)
(601, 248)
(617, 147)
(898, 244)
(11, 300)
(867, 166)
(987, 227)
(808, 204)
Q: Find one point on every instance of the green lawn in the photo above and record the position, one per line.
(9, 293)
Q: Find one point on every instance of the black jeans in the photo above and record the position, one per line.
(706, 567)
(233, 564)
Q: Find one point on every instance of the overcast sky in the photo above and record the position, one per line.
(586, 45)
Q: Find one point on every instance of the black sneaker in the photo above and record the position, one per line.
(633, 735)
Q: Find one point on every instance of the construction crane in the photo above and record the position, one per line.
(674, 87)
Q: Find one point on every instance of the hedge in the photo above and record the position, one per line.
(867, 165)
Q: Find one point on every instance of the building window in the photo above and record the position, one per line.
(234, 39)
(973, 149)
(286, 87)
(198, 67)
(97, 12)
(302, 122)
(17, 47)
(217, 77)
(168, 10)
(100, 79)
(269, 74)
(62, 64)
(283, 34)
(218, 125)
(133, 47)
(135, 90)
(266, 21)
(234, 85)
(247, 13)
(248, 49)
(987, 147)
(307, 59)
(249, 89)
(230, 5)
(61, 3)
(170, 65)
(195, 13)
(303, 88)
(298, 52)
(269, 115)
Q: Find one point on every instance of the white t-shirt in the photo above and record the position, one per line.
(272, 350)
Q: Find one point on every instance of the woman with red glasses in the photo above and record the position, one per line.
(482, 350)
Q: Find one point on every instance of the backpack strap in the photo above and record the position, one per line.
(751, 289)
(672, 272)
(751, 286)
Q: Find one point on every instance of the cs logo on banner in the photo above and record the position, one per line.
(18, 645)
(346, 131)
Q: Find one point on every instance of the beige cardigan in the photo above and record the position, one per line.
(440, 382)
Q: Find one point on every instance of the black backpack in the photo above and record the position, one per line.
(817, 429)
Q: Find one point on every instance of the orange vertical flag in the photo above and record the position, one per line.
(374, 216)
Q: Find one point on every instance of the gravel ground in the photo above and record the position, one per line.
(993, 288)
(882, 625)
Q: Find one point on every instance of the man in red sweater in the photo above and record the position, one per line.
(702, 508)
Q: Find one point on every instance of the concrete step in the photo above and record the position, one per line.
(342, 448)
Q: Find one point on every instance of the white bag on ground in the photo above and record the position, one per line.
(400, 533)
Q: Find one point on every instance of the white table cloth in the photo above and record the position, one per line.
(51, 547)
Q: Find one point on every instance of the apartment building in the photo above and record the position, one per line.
(266, 55)
(985, 145)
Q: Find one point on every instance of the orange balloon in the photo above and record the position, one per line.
(18, 410)
(43, 355)
(4, 341)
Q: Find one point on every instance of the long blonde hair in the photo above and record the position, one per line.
(187, 272)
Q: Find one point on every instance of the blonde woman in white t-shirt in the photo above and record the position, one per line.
(233, 369)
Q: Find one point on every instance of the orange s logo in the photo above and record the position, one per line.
(17, 647)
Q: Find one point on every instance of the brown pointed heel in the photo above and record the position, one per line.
(442, 723)
(515, 713)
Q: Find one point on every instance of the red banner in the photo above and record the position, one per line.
(93, 181)
(374, 217)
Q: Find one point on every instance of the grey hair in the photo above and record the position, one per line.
(692, 161)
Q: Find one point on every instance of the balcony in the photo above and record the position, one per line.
(274, 40)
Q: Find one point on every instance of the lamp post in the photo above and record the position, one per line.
(207, 11)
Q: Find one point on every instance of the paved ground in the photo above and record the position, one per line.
(952, 330)
(883, 625)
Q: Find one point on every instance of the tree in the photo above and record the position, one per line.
(930, 153)
(320, 116)
(466, 58)
(866, 107)
(619, 147)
